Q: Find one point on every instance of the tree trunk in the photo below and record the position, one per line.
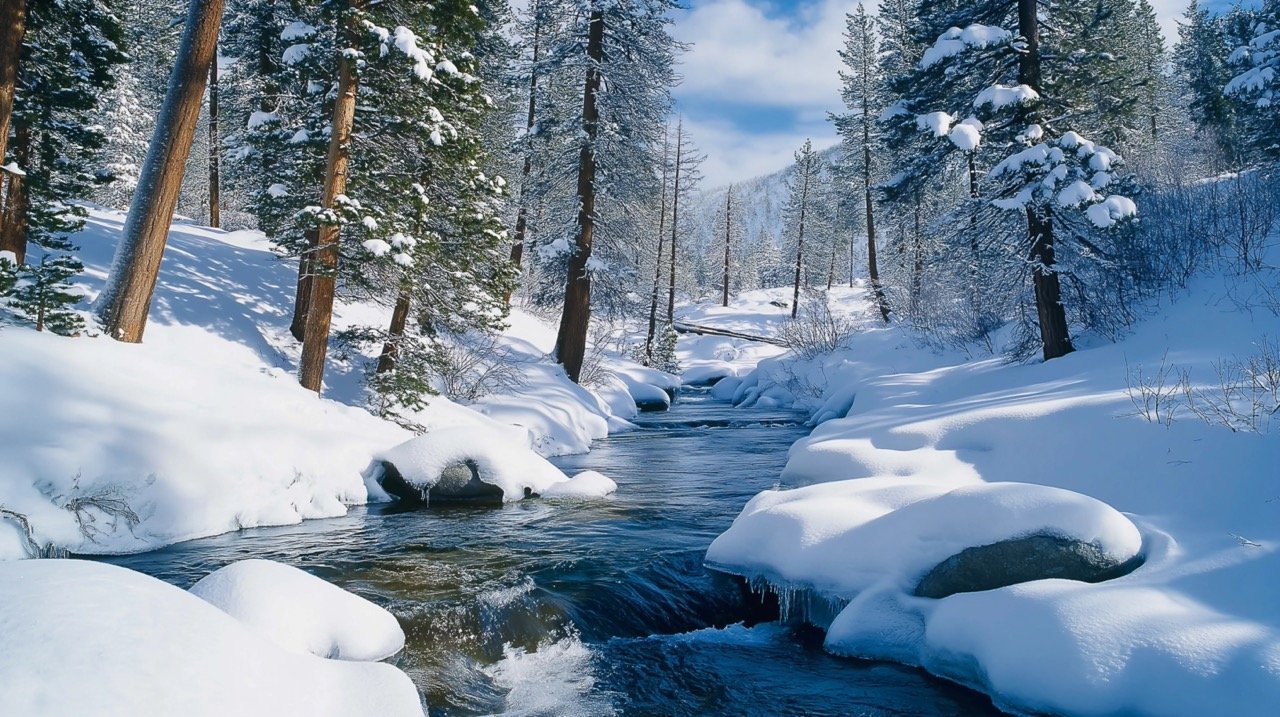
(324, 262)
(728, 224)
(126, 299)
(804, 204)
(302, 295)
(399, 317)
(675, 224)
(657, 263)
(571, 340)
(831, 269)
(873, 271)
(13, 25)
(215, 206)
(13, 223)
(522, 214)
(917, 263)
(1054, 333)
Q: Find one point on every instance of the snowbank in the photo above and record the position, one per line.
(113, 447)
(301, 612)
(132, 645)
(1195, 630)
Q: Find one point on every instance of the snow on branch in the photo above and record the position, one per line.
(955, 41)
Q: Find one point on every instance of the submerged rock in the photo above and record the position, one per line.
(1020, 560)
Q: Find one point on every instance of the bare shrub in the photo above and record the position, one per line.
(816, 329)
(1246, 395)
(1156, 395)
(476, 365)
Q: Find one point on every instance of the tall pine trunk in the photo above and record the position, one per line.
(728, 225)
(215, 200)
(657, 262)
(522, 214)
(126, 299)
(873, 270)
(1052, 316)
(675, 225)
(13, 25)
(571, 340)
(324, 262)
(804, 204)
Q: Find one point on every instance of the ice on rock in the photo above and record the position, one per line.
(301, 612)
(129, 645)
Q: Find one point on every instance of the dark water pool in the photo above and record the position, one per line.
(540, 608)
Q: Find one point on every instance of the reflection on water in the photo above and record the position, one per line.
(566, 608)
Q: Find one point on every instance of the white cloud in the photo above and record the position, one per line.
(747, 54)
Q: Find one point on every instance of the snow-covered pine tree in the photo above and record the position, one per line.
(67, 61)
(1055, 178)
(864, 95)
(1200, 56)
(622, 58)
(805, 176)
(685, 177)
(1256, 87)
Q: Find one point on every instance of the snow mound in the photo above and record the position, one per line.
(845, 537)
(515, 470)
(587, 484)
(301, 612)
(133, 645)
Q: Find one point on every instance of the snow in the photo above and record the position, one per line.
(956, 40)
(966, 136)
(277, 191)
(585, 485)
(934, 450)
(1110, 211)
(295, 54)
(297, 30)
(203, 428)
(132, 645)
(1001, 96)
(259, 118)
(500, 462)
(845, 537)
(300, 612)
(939, 123)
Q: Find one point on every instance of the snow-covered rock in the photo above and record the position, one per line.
(126, 644)
(301, 612)
(845, 537)
(466, 463)
(587, 484)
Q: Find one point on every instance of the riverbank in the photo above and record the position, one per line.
(1173, 425)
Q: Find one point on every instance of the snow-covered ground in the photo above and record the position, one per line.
(203, 428)
(760, 312)
(909, 442)
(85, 638)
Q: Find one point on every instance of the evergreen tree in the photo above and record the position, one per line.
(44, 295)
(863, 94)
(1201, 58)
(805, 175)
(1257, 86)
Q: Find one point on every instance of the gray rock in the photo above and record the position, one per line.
(1020, 560)
(458, 483)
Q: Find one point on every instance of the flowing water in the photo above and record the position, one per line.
(542, 608)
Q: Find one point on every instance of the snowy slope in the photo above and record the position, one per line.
(1194, 631)
(203, 428)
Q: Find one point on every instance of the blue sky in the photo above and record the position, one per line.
(761, 78)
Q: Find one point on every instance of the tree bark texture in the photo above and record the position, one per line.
(126, 299)
(657, 263)
(13, 222)
(215, 200)
(728, 224)
(302, 295)
(324, 262)
(399, 317)
(873, 270)
(571, 340)
(522, 214)
(804, 204)
(1054, 334)
(13, 25)
(675, 225)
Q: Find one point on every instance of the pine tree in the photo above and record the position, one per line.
(620, 57)
(1257, 86)
(126, 299)
(804, 180)
(864, 96)
(44, 295)
(1201, 57)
